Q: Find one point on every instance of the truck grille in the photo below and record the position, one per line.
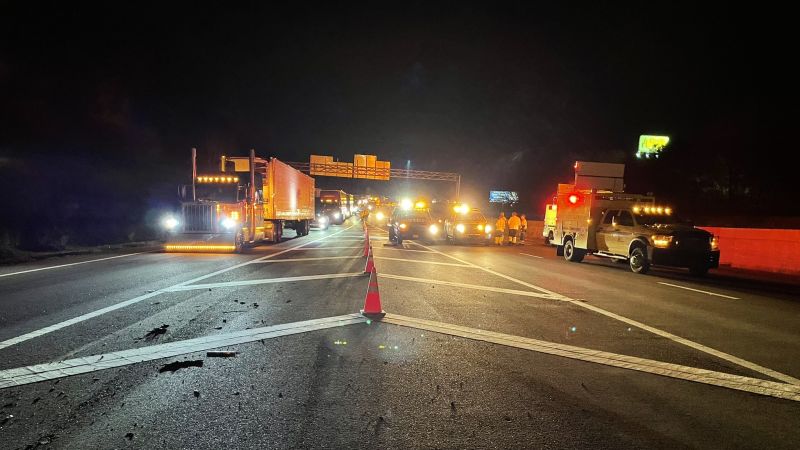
(694, 244)
(198, 217)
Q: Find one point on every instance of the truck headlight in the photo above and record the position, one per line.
(661, 240)
(433, 229)
(170, 223)
(460, 228)
(322, 219)
(487, 228)
(714, 243)
(337, 215)
(379, 216)
(228, 223)
(402, 226)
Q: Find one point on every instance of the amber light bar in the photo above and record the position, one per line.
(217, 179)
(199, 248)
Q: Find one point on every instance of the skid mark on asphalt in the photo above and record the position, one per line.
(42, 372)
(695, 345)
(698, 290)
(116, 306)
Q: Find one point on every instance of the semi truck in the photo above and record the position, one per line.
(249, 201)
(336, 204)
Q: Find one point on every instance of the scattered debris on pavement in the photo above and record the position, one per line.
(221, 354)
(177, 365)
(156, 332)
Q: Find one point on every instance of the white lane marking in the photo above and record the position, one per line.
(70, 264)
(320, 258)
(532, 256)
(695, 345)
(421, 262)
(223, 284)
(464, 285)
(710, 377)
(401, 249)
(325, 248)
(116, 306)
(42, 372)
(698, 290)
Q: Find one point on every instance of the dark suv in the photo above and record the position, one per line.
(413, 224)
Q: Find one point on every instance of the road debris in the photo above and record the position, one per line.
(156, 332)
(177, 365)
(255, 305)
(129, 436)
(221, 354)
(196, 394)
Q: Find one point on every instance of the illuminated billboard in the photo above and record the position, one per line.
(651, 145)
(503, 197)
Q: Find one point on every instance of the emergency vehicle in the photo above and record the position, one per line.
(465, 224)
(631, 228)
(413, 220)
(226, 211)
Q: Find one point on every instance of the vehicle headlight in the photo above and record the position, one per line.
(402, 226)
(170, 223)
(322, 219)
(379, 216)
(480, 226)
(460, 228)
(228, 223)
(714, 243)
(337, 215)
(433, 229)
(661, 240)
(487, 228)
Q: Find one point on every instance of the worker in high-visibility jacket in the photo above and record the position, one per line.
(513, 228)
(523, 228)
(500, 229)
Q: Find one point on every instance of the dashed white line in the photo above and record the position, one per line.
(116, 306)
(70, 264)
(698, 290)
(532, 256)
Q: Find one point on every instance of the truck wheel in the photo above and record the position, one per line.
(571, 253)
(238, 243)
(638, 261)
(698, 271)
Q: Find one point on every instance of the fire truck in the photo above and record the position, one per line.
(226, 211)
(548, 230)
(629, 228)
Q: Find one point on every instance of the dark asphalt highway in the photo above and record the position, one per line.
(481, 347)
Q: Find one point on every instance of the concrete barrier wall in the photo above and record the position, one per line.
(768, 250)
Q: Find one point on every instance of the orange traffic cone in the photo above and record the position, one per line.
(372, 304)
(370, 263)
(366, 245)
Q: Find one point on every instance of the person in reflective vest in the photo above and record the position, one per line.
(523, 228)
(499, 229)
(513, 228)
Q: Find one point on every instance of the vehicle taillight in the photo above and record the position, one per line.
(573, 198)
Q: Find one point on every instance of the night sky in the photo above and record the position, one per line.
(99, 106)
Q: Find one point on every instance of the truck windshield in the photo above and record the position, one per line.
(654, 219)
(225, 193)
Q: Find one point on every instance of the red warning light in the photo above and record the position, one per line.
(573, 198)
